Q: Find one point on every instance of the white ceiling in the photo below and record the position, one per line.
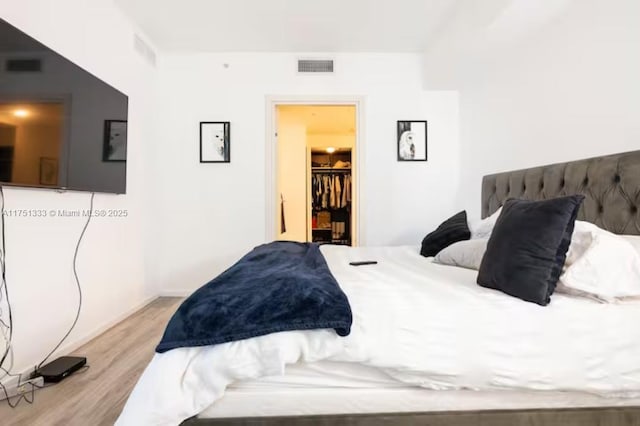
(290, 25)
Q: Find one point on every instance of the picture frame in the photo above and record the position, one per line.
(412, 140)
(114, 145)
(215, 142)
(48, 171)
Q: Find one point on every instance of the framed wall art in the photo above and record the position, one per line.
(114, 145)
(412, 141)
(215, 142)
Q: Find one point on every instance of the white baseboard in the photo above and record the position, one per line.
(72, 346)
(175, 293)
(14, 386)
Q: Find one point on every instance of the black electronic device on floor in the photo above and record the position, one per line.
(60, 368)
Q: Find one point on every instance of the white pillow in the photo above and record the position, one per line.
(634, 240)
(482, 229)
(466, 254)
(600, 265)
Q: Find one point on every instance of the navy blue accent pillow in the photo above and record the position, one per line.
(450, 231)
(528, 246)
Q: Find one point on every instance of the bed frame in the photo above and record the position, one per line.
(628, 416)
(611, 186)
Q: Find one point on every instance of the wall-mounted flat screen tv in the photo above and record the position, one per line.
(60, 126)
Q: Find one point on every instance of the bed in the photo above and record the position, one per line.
(428, 345)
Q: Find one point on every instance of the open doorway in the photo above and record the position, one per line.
(316, 173)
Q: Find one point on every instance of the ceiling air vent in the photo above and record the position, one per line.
(315, 65)
(24, 65)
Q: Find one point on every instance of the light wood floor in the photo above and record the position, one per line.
(97, 395)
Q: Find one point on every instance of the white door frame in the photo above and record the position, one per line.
(272, 101)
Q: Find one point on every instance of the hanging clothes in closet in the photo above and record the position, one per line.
(346, 191)
(336, 198)
(331, 206)
(331, 190)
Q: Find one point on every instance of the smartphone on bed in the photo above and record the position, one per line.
(363, 262)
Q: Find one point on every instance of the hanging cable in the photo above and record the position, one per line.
(6, 330)
(4, 289)
(75, 274)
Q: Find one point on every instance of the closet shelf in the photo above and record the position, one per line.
(333, 169)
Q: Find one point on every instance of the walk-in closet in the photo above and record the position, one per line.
(316, 177)
(331, 194)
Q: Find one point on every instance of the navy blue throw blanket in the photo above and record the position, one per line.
(279, 286)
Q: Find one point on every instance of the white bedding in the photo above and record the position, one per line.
(405, 399)
(327, 387)
(422, 324)
(600, 265)
(321, 375)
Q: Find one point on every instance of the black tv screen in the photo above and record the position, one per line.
(60, 126)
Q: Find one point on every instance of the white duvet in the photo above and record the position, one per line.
(423, 324)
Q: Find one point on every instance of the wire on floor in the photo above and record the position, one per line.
(6, 329)
(28, 396)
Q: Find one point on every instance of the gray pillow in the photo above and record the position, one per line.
(528, 246)
(466, 254)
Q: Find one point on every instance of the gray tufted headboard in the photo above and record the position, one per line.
(610, 184)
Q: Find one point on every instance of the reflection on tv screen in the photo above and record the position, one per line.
(60, 126)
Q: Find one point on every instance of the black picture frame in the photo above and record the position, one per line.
(215, 142)
(114, 144)
(410, 136)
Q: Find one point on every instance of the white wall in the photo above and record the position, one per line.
(96, 36)
(214, 213)
(566, 89)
